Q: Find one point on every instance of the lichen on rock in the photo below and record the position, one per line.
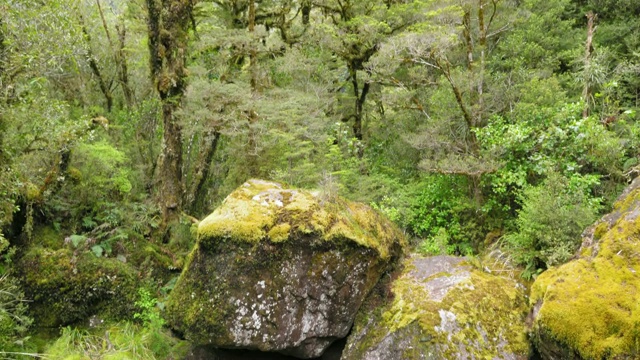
(274, 269)
(443, 308)
(589, 308)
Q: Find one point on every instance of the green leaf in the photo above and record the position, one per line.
(88, 222)
(76, 240)
(97, 250)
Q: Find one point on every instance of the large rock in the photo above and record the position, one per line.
(280, 270)
(68, 286)
(443, 308)
(590, 307)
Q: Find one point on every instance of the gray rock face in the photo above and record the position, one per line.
(274, 270)
(443, 308)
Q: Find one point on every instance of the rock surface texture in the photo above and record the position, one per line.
(280, 270)
(590, 307)
(443, 308)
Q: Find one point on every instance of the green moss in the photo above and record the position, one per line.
(600, 230)
(48, 237)
(69, 286)
(279, 232)
(629, 201)
(32, 192)
(75, 174)
(410, 304)
(591, 304)
(194, 309)
(261, 210)
(485, 307)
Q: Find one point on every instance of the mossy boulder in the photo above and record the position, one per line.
(443, 308)
(280, 270)
(68, 286)
(589, 308)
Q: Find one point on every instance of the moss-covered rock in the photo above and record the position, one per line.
(274, 269)
(67, 286)
(590, 308)
(443, 308)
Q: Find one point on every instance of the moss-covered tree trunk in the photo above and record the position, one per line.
(6, 203)
(3, 90)
(123, 68)
(168, 26)
(586, 91)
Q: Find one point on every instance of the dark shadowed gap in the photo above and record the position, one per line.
(334, 352)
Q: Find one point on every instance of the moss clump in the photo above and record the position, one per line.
(481, 316)
(48, 237)
(279, 232)
(32, 192)
(260, 210)
(600, 230)
(68, 286)
(590, 305)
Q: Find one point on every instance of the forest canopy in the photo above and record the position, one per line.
(472, 124)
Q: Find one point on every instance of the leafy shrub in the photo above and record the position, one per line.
(387, 207)
(103, 168)
(544, 140)
(440, 244)
(443, 213)
(549, 225)
(98, 190)
(148, 310)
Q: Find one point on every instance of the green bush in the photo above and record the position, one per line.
(532, 144)
(443, 212)
(102, 168)
(549, 225)
(148, 311)
(14, 321)
(440, 244)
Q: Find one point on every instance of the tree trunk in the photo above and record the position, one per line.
(105, 87)
(466, 22)
(586, 91)
(202, 169)
(482, 39)
(306, 11)
(123, 68)
(3, 90)
(168, 25)
(253, 61)
(360, 98)
(119, 55)
(104, 24)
